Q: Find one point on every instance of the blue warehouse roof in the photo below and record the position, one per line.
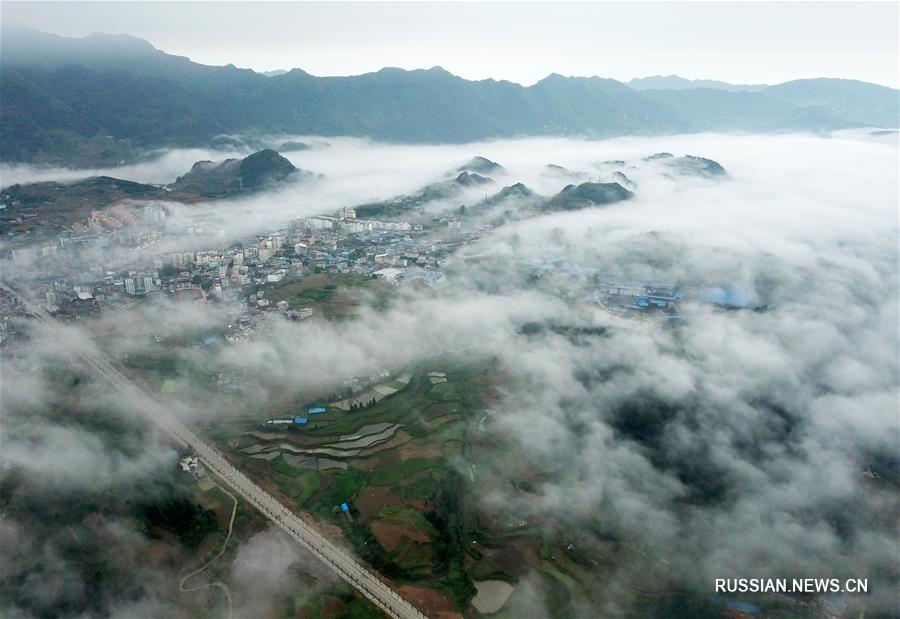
(301, 421)
(317, 410)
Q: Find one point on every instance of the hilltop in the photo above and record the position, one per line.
(585, 195)
(236, 176)
(482, 165)
(689, 165)
(435, 191)
(65, 203)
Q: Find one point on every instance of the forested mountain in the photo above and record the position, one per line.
(102, 98)
(852, 100)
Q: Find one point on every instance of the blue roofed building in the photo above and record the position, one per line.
(318, 410)
(301, 421)
(636, 296)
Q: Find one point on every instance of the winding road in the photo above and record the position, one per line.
(336, 558)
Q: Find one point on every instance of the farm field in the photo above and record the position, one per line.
(334, 295)
(411, 468)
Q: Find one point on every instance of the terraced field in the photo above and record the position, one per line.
(413, 467)
(388, 461)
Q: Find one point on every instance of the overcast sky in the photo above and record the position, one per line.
(765, 42)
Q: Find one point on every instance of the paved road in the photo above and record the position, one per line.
(335, 557)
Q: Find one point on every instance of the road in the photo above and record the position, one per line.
(336, 558)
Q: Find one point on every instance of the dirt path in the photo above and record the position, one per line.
(220, 585)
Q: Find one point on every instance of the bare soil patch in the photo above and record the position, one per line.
(370, 500)
(430, 602)
(438, 409)
(510, 561)
(390, 534)
(529, 548)
(421, 449)
(422, 505)
(333, 607)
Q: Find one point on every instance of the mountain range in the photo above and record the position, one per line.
(106, 98)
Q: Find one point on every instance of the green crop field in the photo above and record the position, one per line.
(299, 484)
(397, 473)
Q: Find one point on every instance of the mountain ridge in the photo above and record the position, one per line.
(105, 98)
(676, 82)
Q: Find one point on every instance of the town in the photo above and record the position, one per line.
(80, 272)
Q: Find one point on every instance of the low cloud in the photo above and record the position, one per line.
(735, 443)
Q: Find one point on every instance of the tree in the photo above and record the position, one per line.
(168, 270)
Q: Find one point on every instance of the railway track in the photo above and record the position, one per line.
(338, 559)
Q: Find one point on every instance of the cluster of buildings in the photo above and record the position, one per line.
(351, 225)
(296, 420)
(141, 283)
(192, 466)
(118, 257)
(356, 384)
(231, 381)
(72, 304)
(639, 297)
(11, 308)
(69, 297)
(363, 391)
